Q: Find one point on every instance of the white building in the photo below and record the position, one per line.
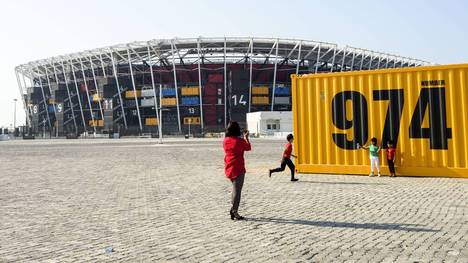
(278, 123)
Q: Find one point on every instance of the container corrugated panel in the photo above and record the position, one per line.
(282, 100)
(282, 91)
(168, 102)
(424, 110)
(147, 93)
(50, 108)
(147, 102)
(96, 123)
(189, 91)
(151, 121)
(130, 94)
(190, 101)
(211, 99)
(260, 90)
(209, 114)
(260, 100)
(167, 92)
(216, 78)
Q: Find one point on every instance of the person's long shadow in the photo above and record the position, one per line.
(381, 226)
(344, 183)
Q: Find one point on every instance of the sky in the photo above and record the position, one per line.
(431, 30)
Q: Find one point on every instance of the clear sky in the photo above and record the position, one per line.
(427, 29)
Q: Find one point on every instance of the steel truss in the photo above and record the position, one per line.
(303, 55)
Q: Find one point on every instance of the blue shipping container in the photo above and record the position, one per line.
(50, 108)
(282, 91)
(168, 92)
(190, 101)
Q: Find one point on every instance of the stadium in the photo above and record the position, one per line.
(171, 86)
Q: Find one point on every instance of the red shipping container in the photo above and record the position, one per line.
(210, 99)
(216, 78)
(210, 89)
(209, 114)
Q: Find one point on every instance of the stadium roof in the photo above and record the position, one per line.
(220, 50)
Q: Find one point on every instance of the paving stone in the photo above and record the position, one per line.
(67, 200)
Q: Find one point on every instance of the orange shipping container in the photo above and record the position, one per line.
(260, 90)
(129, 94)
(96, 123)
(190, 91)
(424, 110)
(260, 100)
(168, 102)
(151, 121)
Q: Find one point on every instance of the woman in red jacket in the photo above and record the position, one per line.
(234, 166)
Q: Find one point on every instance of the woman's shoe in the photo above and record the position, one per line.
(232, 214)
(236, 216)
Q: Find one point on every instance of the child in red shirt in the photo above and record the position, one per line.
(390, 152)
(287, 159)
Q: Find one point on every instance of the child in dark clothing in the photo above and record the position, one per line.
(391, 157)
(287, 159)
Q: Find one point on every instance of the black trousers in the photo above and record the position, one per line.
(391, 166)
(237, 191)
(284, 162)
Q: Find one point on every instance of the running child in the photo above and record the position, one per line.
(287, 159)
(390, 152)
(373, 155)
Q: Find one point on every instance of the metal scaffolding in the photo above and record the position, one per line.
(303, 56)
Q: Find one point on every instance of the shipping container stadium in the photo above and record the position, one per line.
(171, 85)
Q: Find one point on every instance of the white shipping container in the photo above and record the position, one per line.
(103, 81)
(282, 100)
(147, 93)
(147, 103)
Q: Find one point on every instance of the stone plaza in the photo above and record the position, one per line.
(134, 200)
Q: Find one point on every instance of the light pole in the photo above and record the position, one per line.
(14, 119)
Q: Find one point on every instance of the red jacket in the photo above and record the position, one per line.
(234, 148)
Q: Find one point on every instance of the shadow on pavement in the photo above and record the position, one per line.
(345, 183)
(382, 226)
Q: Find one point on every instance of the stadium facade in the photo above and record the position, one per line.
(172, 85)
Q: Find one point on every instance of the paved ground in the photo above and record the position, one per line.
(67, 201)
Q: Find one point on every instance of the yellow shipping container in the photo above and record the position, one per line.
(168, 102)
(424, 110)
(129, 94)
(260, 90)
(151, 121)
(96, 123)
(96, 97)
(51, 101)
(260, 100)
(190, 91)
(192, 120)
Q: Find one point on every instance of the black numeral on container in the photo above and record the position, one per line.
(433, 101)
(396, 100)
(358, 123)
